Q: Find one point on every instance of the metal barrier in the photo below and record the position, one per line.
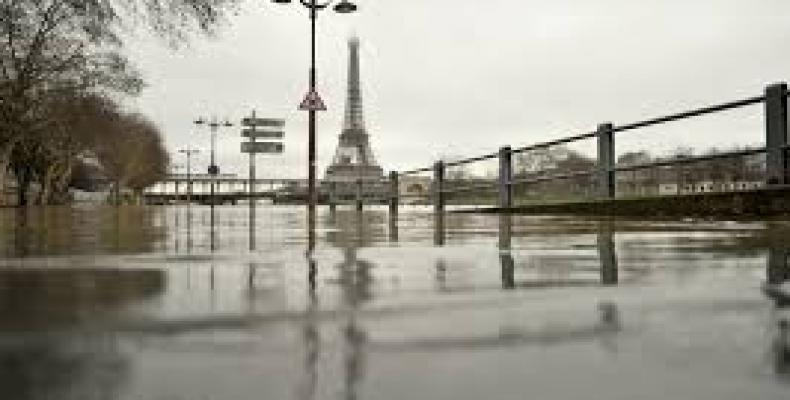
(774, 98)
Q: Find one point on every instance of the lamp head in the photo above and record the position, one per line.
(345, 7)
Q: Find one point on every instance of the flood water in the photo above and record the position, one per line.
(152, 303)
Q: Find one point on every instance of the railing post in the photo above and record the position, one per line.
(776, 133)
(505, 177)
(438, 186)
(394, 193)
(606, 188)
(359, 194)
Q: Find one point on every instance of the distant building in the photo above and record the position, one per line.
(414, 188)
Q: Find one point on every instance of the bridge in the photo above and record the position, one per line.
(228, 188)
(762, 174)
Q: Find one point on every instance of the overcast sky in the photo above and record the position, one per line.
(458, 78)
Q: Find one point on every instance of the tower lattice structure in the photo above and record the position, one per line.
(354, 159)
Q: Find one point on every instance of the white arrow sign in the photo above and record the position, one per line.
(271, 122)
(259, 134)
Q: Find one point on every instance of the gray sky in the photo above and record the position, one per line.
(464, 77)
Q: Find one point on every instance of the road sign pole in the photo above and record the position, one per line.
(251, 190)
(252, 147)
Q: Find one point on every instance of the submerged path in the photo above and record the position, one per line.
(152, 303)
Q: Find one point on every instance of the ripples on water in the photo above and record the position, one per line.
(155, 303)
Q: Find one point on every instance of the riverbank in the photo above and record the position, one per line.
(739, 204)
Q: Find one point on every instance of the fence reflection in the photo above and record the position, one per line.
(606, 252)
(777, 289)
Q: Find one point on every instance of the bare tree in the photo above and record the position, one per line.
(132, 153)
(50, 47)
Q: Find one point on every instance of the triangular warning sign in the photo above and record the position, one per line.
(312, 102)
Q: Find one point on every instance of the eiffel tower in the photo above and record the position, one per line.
(354, 158)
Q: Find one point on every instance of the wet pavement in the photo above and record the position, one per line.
(154, 303)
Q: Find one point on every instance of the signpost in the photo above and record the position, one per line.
(249, 133)
(262, 147)
(252, 132)
(263, 122)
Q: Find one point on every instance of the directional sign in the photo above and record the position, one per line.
(312, 102)
(260, 134)
(272, 122)
(262, 147)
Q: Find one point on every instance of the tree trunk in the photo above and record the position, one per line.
(23, 176)
(5, 161)
(117, 193)
(60, 186)
(46, 185)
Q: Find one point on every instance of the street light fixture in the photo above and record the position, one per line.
(312, 101)
(213, 169)
(345, 7)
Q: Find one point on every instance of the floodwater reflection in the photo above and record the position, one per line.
(45, 231)
(201, 302)
(607, 253)
(777, 289)
(64, 368)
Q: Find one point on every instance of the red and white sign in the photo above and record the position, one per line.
(312, 102)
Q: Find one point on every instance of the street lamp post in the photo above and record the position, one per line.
(189, 152)
(342, 7)
(174, 171)
(213, 169)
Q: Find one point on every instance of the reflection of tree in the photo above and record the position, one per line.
(46, 298)
(71, 230)
(62, 368)
(36, 363)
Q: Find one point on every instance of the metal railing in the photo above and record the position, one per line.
(774, 99)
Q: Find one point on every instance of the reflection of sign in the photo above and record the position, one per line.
(272, 122)
(259, 134)
(262, 147)
(213, 170)
(312, 102)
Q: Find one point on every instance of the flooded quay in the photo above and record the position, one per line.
(157, 303)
